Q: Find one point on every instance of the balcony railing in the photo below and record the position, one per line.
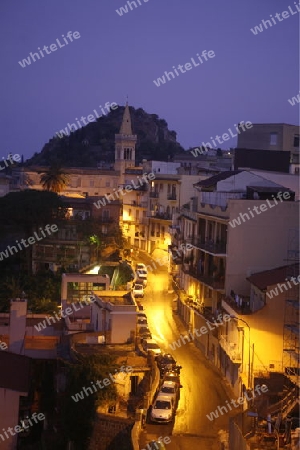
(164, 215)
(172, 197)
(231, 349)
(154, 194)
(242, 308)
(210, 246)
(212, 281)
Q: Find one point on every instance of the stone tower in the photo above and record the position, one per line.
(125, 143)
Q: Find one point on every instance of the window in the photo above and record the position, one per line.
(105, 214)
(74, 182)
(296, 140)
(107, 184)
(129, 212)
(273, 138)
(92, 183)
(161, 187)
(169, 188)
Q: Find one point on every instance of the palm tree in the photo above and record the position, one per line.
(55, 179)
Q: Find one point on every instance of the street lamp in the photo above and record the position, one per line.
(249, 358)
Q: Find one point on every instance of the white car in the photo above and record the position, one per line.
(138, 290)
(149, 345)
(142, 276)
(162, 409)
(141, 266)
(170, 389)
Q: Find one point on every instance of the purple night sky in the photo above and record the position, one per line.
(250, 78)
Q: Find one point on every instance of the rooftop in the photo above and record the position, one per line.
(212, 181)
(267, 278)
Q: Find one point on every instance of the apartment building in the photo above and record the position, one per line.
(135, 207)
(163, 204)
(71, 246)
(82, 181)
(272, 137)
(224, 253)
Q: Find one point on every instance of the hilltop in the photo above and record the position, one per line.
(94, 143)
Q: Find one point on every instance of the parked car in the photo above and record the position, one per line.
(166, 360)
(138, 290)
(142, 322)
(172, 376)
(162, 409)
(144, 333)
(141, 266)
(141, 315)
(170, 389)
(149, 345)
(142, 276)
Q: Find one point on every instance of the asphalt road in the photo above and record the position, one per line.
(203, 388)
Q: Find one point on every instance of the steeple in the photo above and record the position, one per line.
(125, 143)
(126, 128)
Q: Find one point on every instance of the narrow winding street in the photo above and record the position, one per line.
(203, 388)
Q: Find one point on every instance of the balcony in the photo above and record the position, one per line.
(231, 307)
(215, 282)
(172, 197)
(158, 215)
(210, 246)
(154, 194)
(137, 204)
(142, 188)
(231, 349)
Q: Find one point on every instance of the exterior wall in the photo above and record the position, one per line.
(240, 182)
(260, 242)
(161, 167)
(266, 338)
(258, 137)
(9, 416)
(123, 327)
(290, 181)
(186, 188)
(80, 278)
(163, 203)
(17, 326)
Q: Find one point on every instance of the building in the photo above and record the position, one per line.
(228, 243)
(276, 137)
(71, 246)
(110, 318)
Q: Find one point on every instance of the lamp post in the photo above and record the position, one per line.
(249, 356)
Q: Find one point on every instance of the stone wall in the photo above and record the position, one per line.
(111, 432)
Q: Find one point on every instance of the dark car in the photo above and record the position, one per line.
(165, 360)
(145, 333)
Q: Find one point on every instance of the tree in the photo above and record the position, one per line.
(54, 179)
(78, 417)
(22, 213)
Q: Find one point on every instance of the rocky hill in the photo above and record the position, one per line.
(94, 143)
